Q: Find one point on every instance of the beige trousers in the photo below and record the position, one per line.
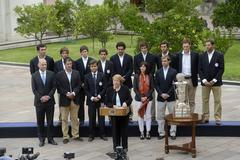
(72, 109)
(217, 102)
(190, 94)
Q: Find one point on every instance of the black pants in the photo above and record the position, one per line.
(41, 111)
(81, 111)
(93, 111)
(120, 131)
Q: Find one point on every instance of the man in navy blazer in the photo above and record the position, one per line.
(123, 65)
(211, 68)
(164, 79)
(41, 49)
(82, 65)
(187, 63)
(95, 87)
(105, 66)
(43, 87)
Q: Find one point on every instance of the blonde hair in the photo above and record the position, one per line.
(118, 77)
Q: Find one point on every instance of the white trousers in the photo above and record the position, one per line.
(161, 109)
(147, 116)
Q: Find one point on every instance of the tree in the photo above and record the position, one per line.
(114, 12)
(91, 21)
(64, 15)
(34, 20)
(227, 14)
(132, 20)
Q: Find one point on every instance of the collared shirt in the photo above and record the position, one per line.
(121, 59)
(144, 56)
(210, 56)
(165, 71)
(165, 54)
(85, 60)
(103, 63)
(118, 101)
(69, 76)
(63, 64)
(43, 76)
(94, 74)
(186, 63)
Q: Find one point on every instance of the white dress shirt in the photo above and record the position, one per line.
(210, 56)
(165, 71)
(103, 63)
(85, 60)
(186, 63)
(121, 59)
(63, 64)
(144, 56)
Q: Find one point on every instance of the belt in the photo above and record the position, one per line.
(187, 77)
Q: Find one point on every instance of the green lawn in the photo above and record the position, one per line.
(23, 55)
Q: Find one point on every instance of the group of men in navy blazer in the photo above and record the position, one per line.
(89, 78)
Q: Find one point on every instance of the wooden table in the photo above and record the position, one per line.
(189, 147)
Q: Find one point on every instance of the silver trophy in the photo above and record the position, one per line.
(181, 108)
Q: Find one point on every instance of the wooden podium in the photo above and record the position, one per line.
(115, 111)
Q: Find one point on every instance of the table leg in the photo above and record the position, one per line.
(193, 147)
(166, 137)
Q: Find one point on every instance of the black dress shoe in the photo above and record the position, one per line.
(90, 139)
(104, 138)
(160, 137)
(65, 141)
(205, 121)
(78, 139)
(173, 137)
(52, 142)
(41, 143)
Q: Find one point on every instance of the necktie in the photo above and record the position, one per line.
(43, 78)
(95, 84)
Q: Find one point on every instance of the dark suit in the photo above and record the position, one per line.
(136, 88)
(212, 70)
(34, 64)
(194, 66)
(119, 123)
(163, 85)
(82, 71)
(44, 108)
(58, 66)
(93, 90)
(150, 59)
(171, 56)
(64, 86)
(108, 72)
(125, 70)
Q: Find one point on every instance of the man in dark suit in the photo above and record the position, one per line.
(69, 88)
(123, 65)
(60, 66)
(105, 66)
(43, 87)
(211, 68)
(187, 63)
(145, 56)
(164, 46)
(41, 48)
(82, 65)
(164, 79)
(95, 86)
